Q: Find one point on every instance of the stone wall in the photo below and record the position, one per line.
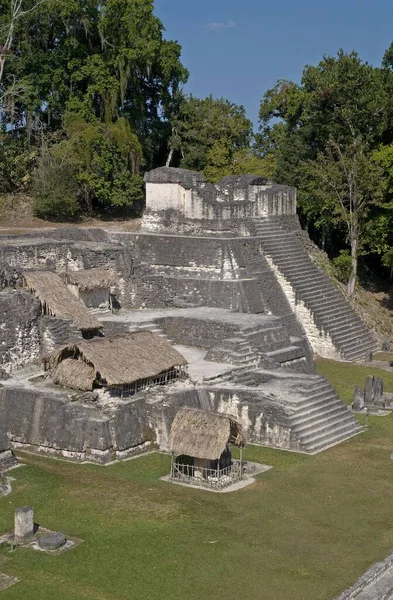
(19, 331)
(50, 423)
(182, 201)
(264, 419)
(7, 457)
(56, 332)
(18, 254)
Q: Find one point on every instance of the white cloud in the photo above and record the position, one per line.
(215, 26)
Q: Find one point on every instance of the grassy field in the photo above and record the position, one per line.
(305, 530)
(345, 376)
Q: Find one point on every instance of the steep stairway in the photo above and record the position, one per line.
(330, 310)
(319, 418)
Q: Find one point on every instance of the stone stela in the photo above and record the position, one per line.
(24, 523)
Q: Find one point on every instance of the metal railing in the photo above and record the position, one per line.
(207, 477)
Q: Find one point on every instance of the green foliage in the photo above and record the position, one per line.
(325, 134)
(222, 163)
(387, 260)
(105, 159)
(104, 73)
(16, 163)
(207, 135)
(342, 266)
(56, 191)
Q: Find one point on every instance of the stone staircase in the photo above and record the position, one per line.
(234, 350)
(149, 326)
(316, 416)
(256, 346)
(331, 312)
(55, 333)
(319, 418)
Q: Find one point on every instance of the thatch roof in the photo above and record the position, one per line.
(122, 360)
(91, 279)
(75, 374)
(58, 301)
(203, 434)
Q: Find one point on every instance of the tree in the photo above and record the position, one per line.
(348, 184)
(207, 134)
(105, 159)
(323, 133)
(100, 60)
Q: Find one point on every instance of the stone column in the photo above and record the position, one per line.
(358, 400)
(369, 390)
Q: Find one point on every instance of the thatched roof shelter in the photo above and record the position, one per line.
(203, 434)
(91, 279)
(114, 361)
(58, 301)
(75, 374)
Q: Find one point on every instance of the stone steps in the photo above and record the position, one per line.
(332, 438)
(149, 326)
(328, 418)
(319, 418)
(310, 415)
(329, 437)
(330, 310)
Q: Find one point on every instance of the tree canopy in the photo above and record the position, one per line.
(328, 135)
(91, 96)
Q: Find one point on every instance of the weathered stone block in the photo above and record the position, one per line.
(369, 390)
(52, 541)
(24, 523)
(358, 400)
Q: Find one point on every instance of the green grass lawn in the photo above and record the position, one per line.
(306, 529)
(345, 376)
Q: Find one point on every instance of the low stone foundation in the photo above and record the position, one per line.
(7, 457)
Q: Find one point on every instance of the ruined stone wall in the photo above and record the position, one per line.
(264, 420)
(18, 254)
(182, 201)
(188, 271)
(19, 331)
(7, 458)
(50, 423)
(54, 333)
(196, 332)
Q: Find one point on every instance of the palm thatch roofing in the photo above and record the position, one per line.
(203, 434)
(91, 279)
(57, 300)
(76, 374)
(117, 361)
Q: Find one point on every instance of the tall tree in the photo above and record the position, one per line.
(104, 65)
(326, 132)
(207, 135)
(99, 59)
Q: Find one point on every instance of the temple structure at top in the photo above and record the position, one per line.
(182, 201)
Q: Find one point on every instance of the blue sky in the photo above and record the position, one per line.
(239, 48)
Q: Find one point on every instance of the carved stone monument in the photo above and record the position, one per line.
(369, 390)
(358, 400)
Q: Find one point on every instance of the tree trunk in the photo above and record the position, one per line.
(354, 259)
(169, 159)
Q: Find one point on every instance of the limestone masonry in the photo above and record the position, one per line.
(221, 272)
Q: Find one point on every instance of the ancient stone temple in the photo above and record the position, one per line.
(222, 274)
